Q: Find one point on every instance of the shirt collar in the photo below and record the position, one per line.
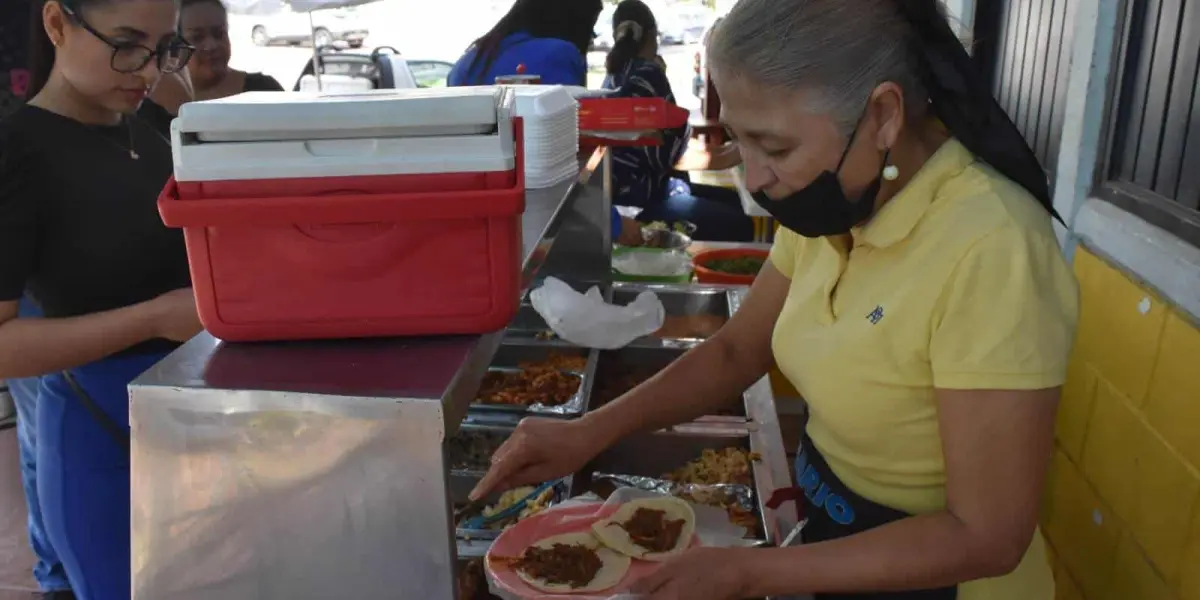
(897, 219)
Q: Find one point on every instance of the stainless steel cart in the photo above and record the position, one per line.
(322, 470)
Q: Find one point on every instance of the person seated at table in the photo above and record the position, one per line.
(205, 25)
(643, 176)
(548, 38)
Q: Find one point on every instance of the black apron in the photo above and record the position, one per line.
(834, 511)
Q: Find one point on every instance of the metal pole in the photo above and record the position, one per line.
(312, 36)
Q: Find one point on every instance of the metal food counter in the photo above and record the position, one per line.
(316, 470)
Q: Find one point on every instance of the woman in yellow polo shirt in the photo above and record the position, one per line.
(916, 297)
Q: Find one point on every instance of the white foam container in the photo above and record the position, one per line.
(551, 117)
(269, 135)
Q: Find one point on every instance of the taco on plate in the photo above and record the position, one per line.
(653, 529)
(570, 563)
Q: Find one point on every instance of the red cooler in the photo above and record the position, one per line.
(387, 213)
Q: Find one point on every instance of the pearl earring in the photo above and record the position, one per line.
(891, 173)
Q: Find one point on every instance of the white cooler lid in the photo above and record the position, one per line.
(261, 116)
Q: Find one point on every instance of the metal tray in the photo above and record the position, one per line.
(471, 569)
(636, 363)
(511, 355)
(654, 455)
(679, 301)
(461, 485)
(466, 457)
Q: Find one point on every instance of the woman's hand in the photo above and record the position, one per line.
(175, 316)
(539, 450)
(631, 233)
(698, 574)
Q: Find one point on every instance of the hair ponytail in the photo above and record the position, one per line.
(963, 101)
(632, 23)
(41, 51)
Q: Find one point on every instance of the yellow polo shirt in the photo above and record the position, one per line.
(958, 282)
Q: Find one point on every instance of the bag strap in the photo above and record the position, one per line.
(110, 426)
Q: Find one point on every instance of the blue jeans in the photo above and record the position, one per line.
(83, 475)
(716, 212)
(48, 571)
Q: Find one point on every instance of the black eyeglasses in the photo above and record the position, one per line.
(171, 54)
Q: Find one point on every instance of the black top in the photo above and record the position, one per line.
(79, 225)
(258, 82)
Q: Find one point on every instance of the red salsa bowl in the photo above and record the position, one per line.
(736, 266)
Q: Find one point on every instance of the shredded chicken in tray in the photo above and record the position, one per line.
(729, 465)
(551, 382)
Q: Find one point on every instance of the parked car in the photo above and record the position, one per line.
(383, 68)
(327, 28)
(685, 27)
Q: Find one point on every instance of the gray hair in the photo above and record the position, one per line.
(839, 50)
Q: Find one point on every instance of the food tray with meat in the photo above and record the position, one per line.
(618, 371)
(537, 379)
(694, 313)
(469, 452)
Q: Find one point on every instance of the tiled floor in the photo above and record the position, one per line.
(16, 583)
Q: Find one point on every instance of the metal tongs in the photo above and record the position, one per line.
(482, 521)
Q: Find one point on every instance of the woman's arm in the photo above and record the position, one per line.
(707, 377)
(998, 446)
(32, 347)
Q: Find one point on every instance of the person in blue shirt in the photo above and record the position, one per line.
(649, 177)
(547, 38)
(550, 38)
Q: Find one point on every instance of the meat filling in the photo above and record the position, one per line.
(651, 530)
(561, 564)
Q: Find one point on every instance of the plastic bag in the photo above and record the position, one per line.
(587, 320)
(712, 529)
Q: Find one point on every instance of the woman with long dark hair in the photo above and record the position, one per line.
(650, 177)
(80, 234)
(549, 38)
(916, 296)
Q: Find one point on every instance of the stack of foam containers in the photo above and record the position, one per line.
(551, 117)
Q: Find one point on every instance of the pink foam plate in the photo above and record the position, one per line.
(517, 538)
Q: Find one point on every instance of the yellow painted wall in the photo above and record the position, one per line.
(1122, 509)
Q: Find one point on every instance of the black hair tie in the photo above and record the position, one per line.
(964, 103)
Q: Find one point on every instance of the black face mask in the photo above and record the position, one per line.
(822, 208)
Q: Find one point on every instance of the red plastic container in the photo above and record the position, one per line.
(342, 257)
(707, 275)
(625, 115)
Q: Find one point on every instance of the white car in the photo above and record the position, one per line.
(328, 27)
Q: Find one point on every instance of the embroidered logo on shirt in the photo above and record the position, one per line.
(876, 315)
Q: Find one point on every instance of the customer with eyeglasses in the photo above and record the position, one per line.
(80, 234)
